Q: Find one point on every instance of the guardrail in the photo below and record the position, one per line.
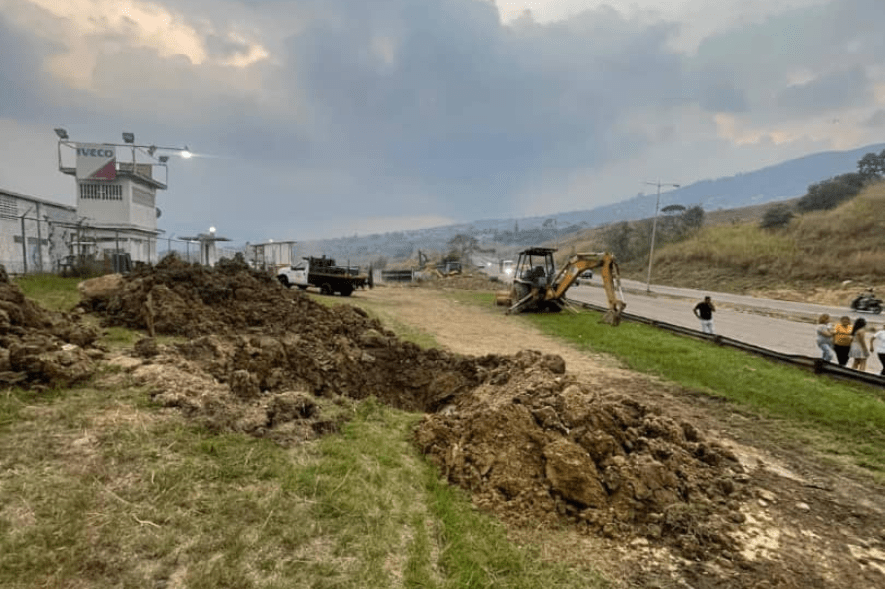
(397, 275)
(817, 365)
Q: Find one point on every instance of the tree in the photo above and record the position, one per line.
(461, 246)
(693, 218)
(829, 193)
(872, 166)
(776, 217)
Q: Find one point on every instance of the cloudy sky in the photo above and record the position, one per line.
(325, 118)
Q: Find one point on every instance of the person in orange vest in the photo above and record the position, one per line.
(842, 336)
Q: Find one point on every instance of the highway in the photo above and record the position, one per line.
(783, 326)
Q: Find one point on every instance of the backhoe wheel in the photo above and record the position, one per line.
(284, 281)
(326, 289)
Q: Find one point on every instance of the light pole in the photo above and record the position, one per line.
(654, 227)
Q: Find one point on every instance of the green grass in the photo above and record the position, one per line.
(52, 292)
(849, 417)
(100, 489)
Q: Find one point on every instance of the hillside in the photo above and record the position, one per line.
(783, 181)
(818, 251)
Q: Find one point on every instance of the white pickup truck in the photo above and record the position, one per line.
(322, 273)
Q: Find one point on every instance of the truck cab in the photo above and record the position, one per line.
(295, 275)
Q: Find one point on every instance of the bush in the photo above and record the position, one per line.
(776, 217)
(829, 193)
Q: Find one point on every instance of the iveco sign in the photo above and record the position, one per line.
(102, 153)
(96, 161)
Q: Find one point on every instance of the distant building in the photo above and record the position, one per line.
(118, 205)
(34, 233)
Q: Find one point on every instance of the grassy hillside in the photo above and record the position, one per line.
(820, 249)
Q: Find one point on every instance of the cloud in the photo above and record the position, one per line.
(877, 119)
(828, 92)
(435, 109)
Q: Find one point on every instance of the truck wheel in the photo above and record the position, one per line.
(284, 281)
(346, 290)
(326, 288)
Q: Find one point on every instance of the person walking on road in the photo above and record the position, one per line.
(859, 351)
(877, 344)
(825, 337)
(842, 336)
(704, 312)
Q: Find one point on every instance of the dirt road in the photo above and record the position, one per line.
(808, 524)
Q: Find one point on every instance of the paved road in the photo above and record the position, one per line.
(782, 326)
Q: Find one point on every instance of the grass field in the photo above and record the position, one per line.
(101, 488)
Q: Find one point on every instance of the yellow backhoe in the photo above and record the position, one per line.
(537, 286)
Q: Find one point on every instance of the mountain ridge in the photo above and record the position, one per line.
(777, 182)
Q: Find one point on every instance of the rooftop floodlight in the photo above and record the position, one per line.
(164, 159)
(62, 133)
(152, 150)
(186, 152)
(212, 230)
(128, 137)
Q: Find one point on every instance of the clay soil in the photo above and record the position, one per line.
(602, 466)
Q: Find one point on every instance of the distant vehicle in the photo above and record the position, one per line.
(867, 303)
(324, 274)
(587, 274)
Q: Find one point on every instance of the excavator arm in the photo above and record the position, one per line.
(611, 281)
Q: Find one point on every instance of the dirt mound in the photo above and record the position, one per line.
(535, 445)
(529, 441)
(40, 347)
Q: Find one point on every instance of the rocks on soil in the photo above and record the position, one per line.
(41, 348)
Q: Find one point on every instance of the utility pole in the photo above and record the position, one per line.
(654, 227)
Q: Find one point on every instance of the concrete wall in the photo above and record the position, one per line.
(46, 231)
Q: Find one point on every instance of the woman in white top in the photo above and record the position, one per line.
(877, 344)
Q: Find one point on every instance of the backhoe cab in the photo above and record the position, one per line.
(537, 286)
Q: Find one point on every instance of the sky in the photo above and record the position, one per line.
(328, 118)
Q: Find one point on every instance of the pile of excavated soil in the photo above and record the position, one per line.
(526, 439)
(535, 445)
(42, 348)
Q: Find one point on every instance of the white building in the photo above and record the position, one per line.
(116, 200)
(34, 233)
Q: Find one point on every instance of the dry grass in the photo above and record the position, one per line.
(820, 249)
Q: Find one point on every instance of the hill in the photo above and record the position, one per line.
(818, 251)
(775, 183)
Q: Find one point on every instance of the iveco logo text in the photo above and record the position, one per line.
(95, 152)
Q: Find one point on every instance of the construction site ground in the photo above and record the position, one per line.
(803, 522)
(600, 466)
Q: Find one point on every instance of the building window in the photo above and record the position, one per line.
(8, 206)
(101, 191)
(142, 197)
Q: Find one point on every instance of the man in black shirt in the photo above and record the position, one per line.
(704, 312)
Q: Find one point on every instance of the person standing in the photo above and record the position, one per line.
(704, 311)
(859, 351)
(842, 336)
(877, 344)
(825, 337)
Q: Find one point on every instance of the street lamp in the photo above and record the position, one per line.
(654, 226)
(62, 133)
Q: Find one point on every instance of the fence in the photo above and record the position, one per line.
(31, 245)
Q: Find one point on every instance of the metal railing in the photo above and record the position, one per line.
(817, 365)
